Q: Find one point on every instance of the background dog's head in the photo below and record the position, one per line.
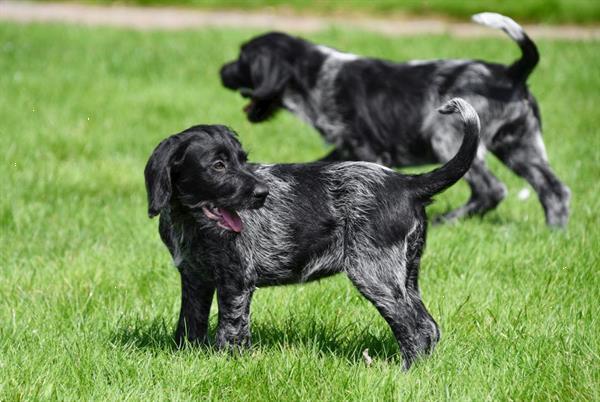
(204, 169)
(262, 71)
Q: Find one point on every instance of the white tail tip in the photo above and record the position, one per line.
(499, 21)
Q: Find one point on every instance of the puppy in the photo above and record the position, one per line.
(378, 111)
(318, 219)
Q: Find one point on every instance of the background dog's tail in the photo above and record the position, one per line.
(427, 185)
(520, 69)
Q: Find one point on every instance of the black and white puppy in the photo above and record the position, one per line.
(318, 219)
(378, 111)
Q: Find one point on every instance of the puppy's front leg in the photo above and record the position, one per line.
(234, 315)
(196, 299)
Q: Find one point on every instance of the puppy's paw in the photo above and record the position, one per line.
(232, 344)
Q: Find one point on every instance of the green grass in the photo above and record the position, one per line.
(88, 295)
(552, 11)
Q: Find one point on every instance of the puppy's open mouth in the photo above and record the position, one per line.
(226, 218)
(247, 93)
(249, 106)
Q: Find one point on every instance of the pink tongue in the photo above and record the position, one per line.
(248, 106)
(232, 220)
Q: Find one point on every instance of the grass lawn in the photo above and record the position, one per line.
(89, 297)
(553, 11)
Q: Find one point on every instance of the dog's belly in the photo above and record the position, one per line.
(398, 149)
(294, 257)
(415, 153)
(295, 266)
(291, 277)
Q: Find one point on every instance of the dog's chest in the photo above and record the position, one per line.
(300, 106)
(181, 245)
(190, 246)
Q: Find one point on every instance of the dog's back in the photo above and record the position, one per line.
(316, 213)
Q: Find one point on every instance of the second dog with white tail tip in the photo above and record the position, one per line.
(232, 226)
(380, 111)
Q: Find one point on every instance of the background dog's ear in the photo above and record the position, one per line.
(270, 74)
(158, 175)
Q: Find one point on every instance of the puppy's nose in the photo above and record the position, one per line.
(260, 191)
(228, 75)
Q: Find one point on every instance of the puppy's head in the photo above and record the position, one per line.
(204, 170)
(262, 72)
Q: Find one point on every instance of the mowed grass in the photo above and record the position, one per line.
(89, 297)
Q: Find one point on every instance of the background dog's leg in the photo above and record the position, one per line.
(382, 281)
(526, 156)
(487, 191)
(196, 299)
(339, 155)
(234, 316)
(333, 156)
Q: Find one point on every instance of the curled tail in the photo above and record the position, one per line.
(520, 69)
(429, 184)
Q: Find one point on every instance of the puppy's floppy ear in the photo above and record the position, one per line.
(158, 175)
(270, 73)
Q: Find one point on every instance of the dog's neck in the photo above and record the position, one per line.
(312, 98)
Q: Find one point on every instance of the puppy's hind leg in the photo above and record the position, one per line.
(381, 278)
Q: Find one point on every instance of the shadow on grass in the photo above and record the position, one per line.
(141, 333)
(436, 219)
(347, 343)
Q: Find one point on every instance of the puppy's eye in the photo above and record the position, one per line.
(219, 166)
